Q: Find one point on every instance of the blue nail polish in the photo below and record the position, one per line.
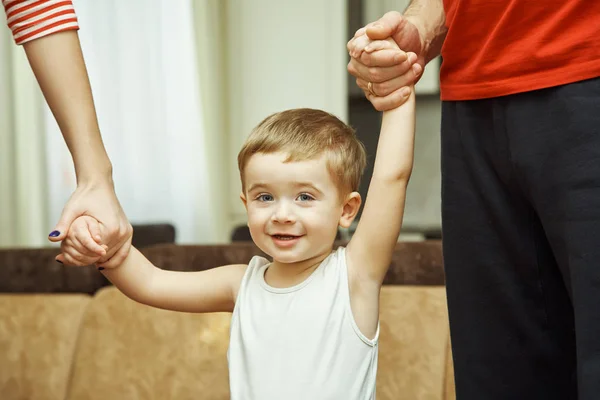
(54, 234)
(58, 261)
(100, 268)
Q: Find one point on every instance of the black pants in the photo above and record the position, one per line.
(521, 240)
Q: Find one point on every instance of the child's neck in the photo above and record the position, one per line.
(283, 275)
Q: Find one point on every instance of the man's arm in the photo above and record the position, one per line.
(212, 290)
(420, 29)
(429, 18)
(371, 247)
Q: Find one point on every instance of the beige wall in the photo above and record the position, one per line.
(281, 55)
(423, 201)
(284, 55)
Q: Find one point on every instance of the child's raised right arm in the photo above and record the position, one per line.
(212, 290)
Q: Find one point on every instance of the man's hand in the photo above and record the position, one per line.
(100, 202)
(390, 71)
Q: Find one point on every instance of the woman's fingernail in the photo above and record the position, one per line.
(58, 261)
(54, 234)
(100, 268)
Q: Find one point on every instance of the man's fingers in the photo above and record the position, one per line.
(377, 74)
(388, 87)
(383, 58)
(391, 101)
(363, 85)
(367, 67)
(385, 26)
(385, 103)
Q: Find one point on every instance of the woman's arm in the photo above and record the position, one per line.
(47, 31)
(57, 62)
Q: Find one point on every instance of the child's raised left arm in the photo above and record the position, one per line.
(371, 247)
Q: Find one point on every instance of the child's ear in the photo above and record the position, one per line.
(350, 208)
(243, 198)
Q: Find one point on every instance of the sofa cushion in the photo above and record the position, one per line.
(414, 335)
(130, 351)
(37, 340)
(450, 391)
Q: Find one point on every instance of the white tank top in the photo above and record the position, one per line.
(299, 342)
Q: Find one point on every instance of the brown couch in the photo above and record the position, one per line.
(65, 333)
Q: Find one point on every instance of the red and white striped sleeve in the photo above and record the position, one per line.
(32, 19)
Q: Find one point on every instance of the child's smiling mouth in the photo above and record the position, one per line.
(285, 240)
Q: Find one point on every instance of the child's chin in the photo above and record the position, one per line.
(287, 258)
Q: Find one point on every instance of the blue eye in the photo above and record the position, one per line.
(305, 197)
(265, 197)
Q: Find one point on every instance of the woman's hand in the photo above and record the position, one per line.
(99, 201)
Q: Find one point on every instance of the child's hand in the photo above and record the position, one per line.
(82, 244)
(362, 43)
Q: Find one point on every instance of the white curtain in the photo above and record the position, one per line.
(141, 58)
(23, 203)
(210, 23)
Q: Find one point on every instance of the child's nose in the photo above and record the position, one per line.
(283, 214)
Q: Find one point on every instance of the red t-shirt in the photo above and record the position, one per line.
(499, 47)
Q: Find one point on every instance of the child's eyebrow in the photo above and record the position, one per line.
(259, 185)
(297, 184)
(307, 185)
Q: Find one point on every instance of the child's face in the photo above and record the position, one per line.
(294, 208)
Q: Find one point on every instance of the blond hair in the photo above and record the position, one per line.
(306, 134)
